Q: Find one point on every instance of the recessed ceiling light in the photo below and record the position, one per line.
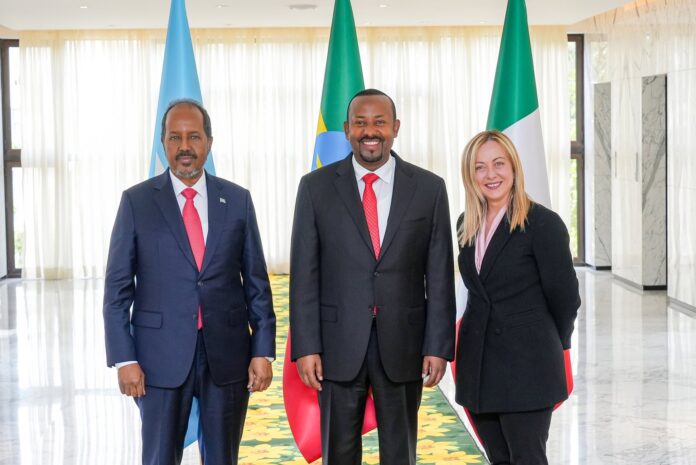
(83, 7)
(482, 22)
(222, 5)
(303, 6)
(383, 5)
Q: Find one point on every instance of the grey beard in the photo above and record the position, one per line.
(187, 174)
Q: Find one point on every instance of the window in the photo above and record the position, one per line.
(577, 146)
(12, 142)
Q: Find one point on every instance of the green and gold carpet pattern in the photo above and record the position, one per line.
(442, 438)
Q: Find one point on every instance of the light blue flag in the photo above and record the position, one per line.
(179, 80)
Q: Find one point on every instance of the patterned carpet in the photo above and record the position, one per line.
(442, 439)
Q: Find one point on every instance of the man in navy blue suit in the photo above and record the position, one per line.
(186, 253)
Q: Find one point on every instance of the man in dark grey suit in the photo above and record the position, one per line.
(371, 287)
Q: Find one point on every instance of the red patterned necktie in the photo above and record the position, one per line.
(369, 202)
(194, 229)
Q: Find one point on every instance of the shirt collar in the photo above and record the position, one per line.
(496, 221)
(199, 187)
(385, 172)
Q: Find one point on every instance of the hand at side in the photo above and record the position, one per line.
(260, 374)
(310, 370)
(131, 380)
(434, 369)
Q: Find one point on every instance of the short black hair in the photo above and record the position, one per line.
(365, 92)
(188, 101)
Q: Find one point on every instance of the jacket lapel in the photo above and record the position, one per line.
(347, 188)
(404, 190)
(217, 211)
(500, 237)
(470, 263)
(166, 201)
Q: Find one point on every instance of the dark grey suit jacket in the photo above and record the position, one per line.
(519, 318)
(335, 279)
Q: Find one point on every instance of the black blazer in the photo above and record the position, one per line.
(335, 279)
(518, 319)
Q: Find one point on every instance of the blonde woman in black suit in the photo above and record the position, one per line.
(523, 299)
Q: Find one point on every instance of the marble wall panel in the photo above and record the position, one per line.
(654, 179)
(645, 39)
(598, 203)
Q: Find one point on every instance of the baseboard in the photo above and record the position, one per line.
(682, 306)
(637, 286)
(655, 288)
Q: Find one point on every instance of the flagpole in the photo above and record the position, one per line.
(343, 78)
(179, 80)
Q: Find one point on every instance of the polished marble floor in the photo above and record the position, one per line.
(634, 402)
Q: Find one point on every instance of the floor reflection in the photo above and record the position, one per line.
(634, 356)
(58, 402)
(635, 382)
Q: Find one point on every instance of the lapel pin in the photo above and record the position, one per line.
(223, 200)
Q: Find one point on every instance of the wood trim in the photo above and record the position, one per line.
(12, 158)
(577, 146)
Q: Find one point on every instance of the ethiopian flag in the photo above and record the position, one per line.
(343, 78)
(514, 105)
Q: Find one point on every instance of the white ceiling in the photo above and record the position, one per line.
(138, 14)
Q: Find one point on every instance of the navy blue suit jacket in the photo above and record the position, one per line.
(152, 268)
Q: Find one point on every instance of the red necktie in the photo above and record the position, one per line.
(194, 229)
(369, 201)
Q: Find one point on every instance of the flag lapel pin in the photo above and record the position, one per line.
(223, 200)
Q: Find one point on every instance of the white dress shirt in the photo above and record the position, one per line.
(383, 187)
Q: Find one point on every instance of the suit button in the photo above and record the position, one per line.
(376, 273)
(200, 283)
(497, 331)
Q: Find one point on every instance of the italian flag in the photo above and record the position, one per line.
(514, 105)
(514, 110)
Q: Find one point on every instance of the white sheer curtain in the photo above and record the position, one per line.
(89, 100)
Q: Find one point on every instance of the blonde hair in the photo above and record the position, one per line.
(520, 202)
